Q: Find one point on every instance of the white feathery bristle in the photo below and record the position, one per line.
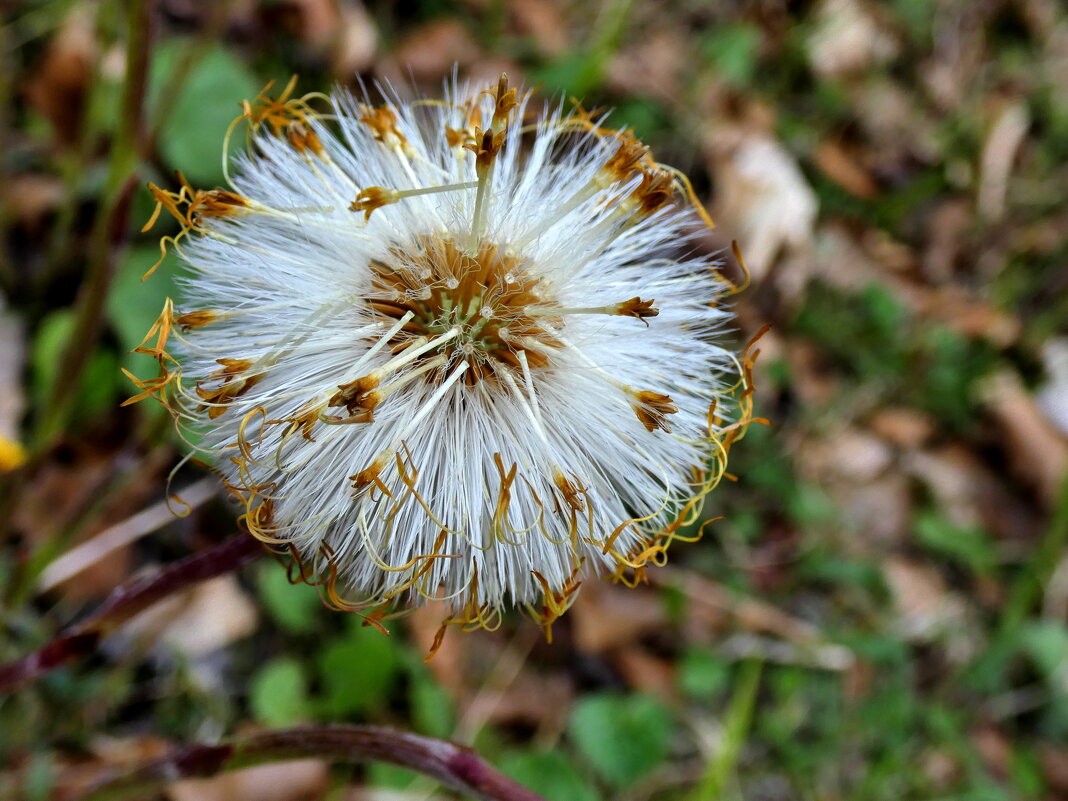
(456, 349)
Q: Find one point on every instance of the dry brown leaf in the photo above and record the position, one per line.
(879, 512)
(1037, 452)
(837, 258)
(813, 380)
(1054, 761)
(76, 776)
(357, 42)
(299, 780)
(967, 316)
(897, 127)
(76, 560)
(654, 66)
(608, 616)
(750, 614)
(995, 749)
(945, 239)
(59, 86)
(906, 428)
(999, 154)
(940, 768)
(949, 75)
(843, 168)
(646, 672)
(385, 794)
(927, 609)
(31, 197)
(851, 264)
(115, 751)
(543, 21)
(1055, 61)
(854, 467)
(314, 22)
(203, 619)
(447, 666)
(762, 198)
(60, 490)
(533, 699)
(851, 454)
(969, 494)
(1052, 397)
(848, 37)
(431, 50)
(488, 68)
(841, 260)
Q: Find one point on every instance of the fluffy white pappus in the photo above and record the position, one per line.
(454, 349)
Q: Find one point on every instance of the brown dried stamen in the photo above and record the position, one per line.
(382, 120)
(354, 395)
(196, 319)
(572, 491)
(505, 100)
(485, 145)
(638, 308)
(233, 385)
(652, 409)
(483, 297)
(374, 197)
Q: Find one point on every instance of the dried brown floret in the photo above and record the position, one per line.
(652, 409)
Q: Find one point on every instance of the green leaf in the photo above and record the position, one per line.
(702, 674)
(359, 671)
(294, 607)
(550, 774)
(622, 737)
(209, 100)
(391, 777)
(970, 547)
(733, 50)
(575, 74)
(39, 777)
(1046, 642)
(100, 382)
(736, 723)
(647, 117)
(432, 711)
(133, 305)
(808, 505)
(279, 694)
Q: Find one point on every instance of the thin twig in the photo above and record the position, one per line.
(757, 615)
(126, 601)
(501, 677)
(88, 553)
(455, 766)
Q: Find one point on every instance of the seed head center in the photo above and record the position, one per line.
(484, 297)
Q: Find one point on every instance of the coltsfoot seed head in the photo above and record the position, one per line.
(451, 349)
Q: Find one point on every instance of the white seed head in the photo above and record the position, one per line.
(439, 397)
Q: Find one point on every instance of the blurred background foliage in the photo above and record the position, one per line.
(882, 612)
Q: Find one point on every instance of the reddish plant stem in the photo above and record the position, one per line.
(455, 766)
(109, 227)
(126, 601)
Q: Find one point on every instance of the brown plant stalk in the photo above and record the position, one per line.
(109, 227)
(455, 766)
(126, 601)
